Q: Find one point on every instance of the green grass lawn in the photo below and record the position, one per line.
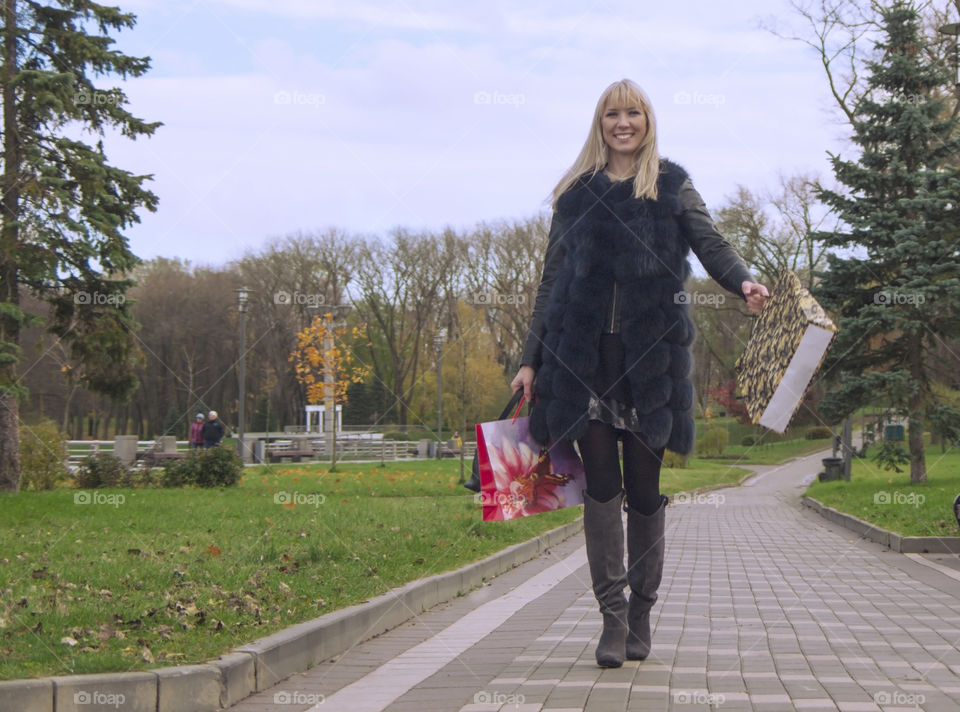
(888, 500)
(144, 578)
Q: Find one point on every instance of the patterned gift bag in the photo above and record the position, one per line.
(787, 345)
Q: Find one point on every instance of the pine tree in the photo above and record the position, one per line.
(900, 208)
(63, 207)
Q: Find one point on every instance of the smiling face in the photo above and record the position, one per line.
(623, 128)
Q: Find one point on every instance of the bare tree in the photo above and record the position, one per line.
(399, 292)
(504, 261)
(773, 230)
(843, 33)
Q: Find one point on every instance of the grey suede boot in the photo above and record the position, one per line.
(603, 531)
(644, 571)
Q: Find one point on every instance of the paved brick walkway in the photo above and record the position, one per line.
(764, 606)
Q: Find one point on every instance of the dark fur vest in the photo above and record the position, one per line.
(607, 236)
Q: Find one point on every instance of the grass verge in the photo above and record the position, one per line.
(136, 579)
(890, 501)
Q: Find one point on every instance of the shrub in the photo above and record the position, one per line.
(715, 440)
(216, 467)
(674, 460)
(890, 456)
(818, 432)
(219, 467)
(43, 455)
(177, 473)
(101, 470)
(749, 441)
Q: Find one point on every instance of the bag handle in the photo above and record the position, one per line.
(514, 405)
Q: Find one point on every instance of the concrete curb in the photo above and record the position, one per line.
(257, 666)
(896, 542)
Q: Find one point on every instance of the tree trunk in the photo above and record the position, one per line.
(9, 443)
(918, 466)
(9, 274)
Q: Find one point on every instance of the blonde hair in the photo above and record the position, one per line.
(593, 156)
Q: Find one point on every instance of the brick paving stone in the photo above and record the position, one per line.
(763, 605)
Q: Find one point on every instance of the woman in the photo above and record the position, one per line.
(196, 432)
(609, 345)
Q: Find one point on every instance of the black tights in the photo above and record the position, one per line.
(601, 463)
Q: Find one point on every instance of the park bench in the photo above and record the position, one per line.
(282, 450)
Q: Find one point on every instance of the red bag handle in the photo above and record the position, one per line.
(517, 411)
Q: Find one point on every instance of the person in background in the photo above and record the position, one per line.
(213, 430)
(196, 432)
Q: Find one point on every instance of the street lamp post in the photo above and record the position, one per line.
(243, 296)
(337, 319)
(438, 341)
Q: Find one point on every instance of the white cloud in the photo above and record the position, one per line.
(433, 128)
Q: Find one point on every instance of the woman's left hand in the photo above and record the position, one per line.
(756, 295)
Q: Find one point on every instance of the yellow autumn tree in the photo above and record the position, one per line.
(323, 361)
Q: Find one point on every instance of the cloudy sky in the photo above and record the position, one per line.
(287, 115)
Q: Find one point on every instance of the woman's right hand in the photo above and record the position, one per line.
(524, 380)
